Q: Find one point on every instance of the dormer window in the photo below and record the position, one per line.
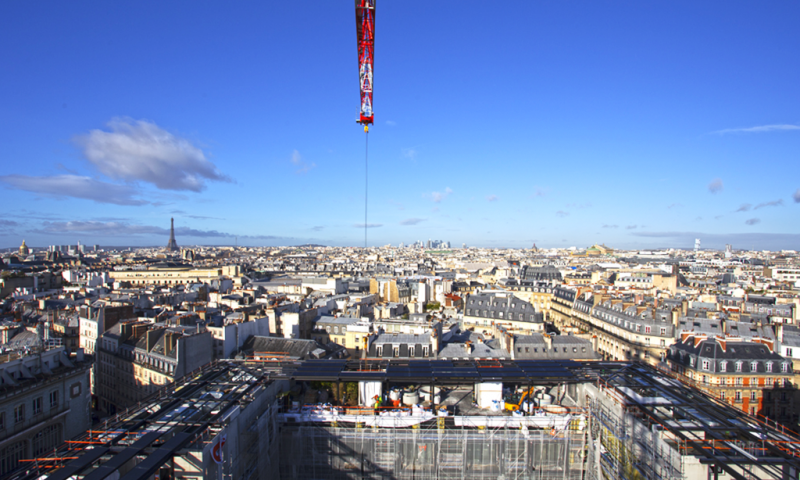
(753, 366)
(769, 366)
(738, 366)
(723, 366)
(785, 367)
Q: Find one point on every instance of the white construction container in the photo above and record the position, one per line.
(488, 392)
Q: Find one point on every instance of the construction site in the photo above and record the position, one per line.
(426, 419)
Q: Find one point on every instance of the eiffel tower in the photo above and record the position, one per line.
(172, 246)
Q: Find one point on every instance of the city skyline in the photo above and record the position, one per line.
(637, 126)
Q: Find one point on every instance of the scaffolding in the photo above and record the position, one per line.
(441, 448)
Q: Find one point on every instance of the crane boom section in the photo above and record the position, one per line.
(365, 29)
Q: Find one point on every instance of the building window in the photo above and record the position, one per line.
(19, 414)
(769, 366)
(646, 329)
(396, 351)
(411, 351)
(706, 364)
(37, 406)
(738, 366)
(738, 381)
(753, 396)
(753, 366)
(722, 395)
(784, 367)
(738, 397)
(424, 351)
(768, 382)
(380, 351)
(723, 366)
(663, 331)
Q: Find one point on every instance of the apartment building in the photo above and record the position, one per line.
(44, 400)
(135, 358)
(482, 310)
(749, 375)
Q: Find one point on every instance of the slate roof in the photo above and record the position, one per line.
(476, 350)
(748, 331)
(563, 347)
(498, 307)
(401, 339)
(300, 349)
(753, 357)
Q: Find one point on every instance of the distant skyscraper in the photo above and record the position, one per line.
(172, 246)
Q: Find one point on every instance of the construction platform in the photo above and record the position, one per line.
(591, 420)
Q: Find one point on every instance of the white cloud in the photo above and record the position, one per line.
(125, 229)
(759, 129)
(562, 213)
(412, 221)
(369, 225)
(60, 186)
(138, 150)
(715, 186)
(297, 160)
(753, 221)
(774, 203)
(410, 153)
(439, 196)
(744, 207)
(491, 198)
(391, 123)
(539, 192)
(796, 196)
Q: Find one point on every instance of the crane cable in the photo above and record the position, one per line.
(366, 181)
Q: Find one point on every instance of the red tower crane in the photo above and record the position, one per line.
(365, 28)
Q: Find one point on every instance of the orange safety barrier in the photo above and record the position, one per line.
(53, 459)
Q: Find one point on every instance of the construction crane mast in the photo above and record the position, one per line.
(365, 28)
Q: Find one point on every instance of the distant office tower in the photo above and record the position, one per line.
(172, 245)
(463, 245)
(696, 246)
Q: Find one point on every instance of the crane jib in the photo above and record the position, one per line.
(365, 31)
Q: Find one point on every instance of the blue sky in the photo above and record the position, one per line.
(637, 124)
